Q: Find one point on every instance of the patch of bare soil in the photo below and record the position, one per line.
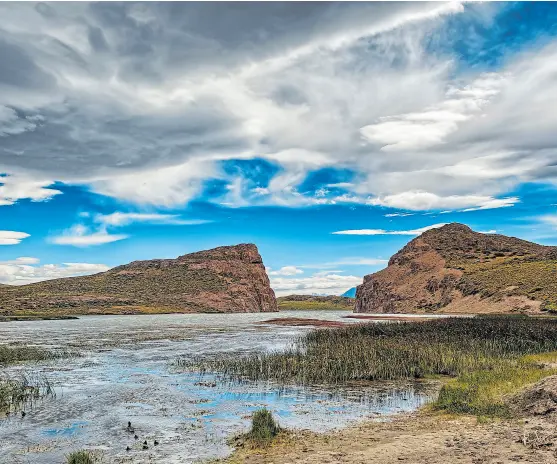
(419, 438)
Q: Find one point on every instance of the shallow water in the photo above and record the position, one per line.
(125, 374)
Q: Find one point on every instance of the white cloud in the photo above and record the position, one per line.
(398, 214)
(10, 237)
(17, 187)
(285, 271)
(118, 219)
(22, 270)
(422, 201)
(81, 236)
(319, 283)
(388, 232)
(419, 130)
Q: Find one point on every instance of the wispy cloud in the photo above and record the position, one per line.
(387, 232)
(81, 236)
(118, 219)
(10, 237)
(319, 283)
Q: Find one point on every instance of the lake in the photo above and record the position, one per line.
(126, 374)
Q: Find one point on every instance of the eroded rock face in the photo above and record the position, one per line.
(454, 269)
(224, 279)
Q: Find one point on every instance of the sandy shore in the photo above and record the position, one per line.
(419, 438)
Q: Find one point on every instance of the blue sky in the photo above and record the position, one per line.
(329, 134)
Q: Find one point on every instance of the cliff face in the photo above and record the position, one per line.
(454, 269)
(224, 279)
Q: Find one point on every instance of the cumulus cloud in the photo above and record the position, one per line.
(285, 271)
(81, 236)
(144, 102)
(388, 232)
(319, 283)
(10, 237)
(23, 270)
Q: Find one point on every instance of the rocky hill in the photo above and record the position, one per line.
(224, 279)
(454, 269)
(314, 302)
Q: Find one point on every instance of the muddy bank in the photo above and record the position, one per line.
(419, 438)
(300, 321)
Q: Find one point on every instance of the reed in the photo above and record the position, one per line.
(18, 393)
(12, 354)
(391, 351)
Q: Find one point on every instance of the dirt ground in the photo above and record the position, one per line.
(420, 438)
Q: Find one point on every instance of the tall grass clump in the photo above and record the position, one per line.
(20, 392)
(80, 457)
(263, 428)
(391, 351)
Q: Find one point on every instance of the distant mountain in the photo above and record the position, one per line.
(350, 293)
(454, 269)
(224, 279)
(313, 302)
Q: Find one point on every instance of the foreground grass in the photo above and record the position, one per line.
(263, 429)
(81, 457)
(488, 356)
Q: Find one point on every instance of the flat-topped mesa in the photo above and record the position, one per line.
(223, 279)
(454, 269)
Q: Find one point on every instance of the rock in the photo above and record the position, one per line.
(224, 279)
(539, 399)
(454, 269)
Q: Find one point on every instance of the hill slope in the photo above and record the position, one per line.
(454, 269)
(224, 279)
(311, 302)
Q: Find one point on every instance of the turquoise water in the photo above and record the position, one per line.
(126, 375)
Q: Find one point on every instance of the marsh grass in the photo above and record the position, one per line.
(12, 354)
(18, 393)
(391, 351)
(488, 358)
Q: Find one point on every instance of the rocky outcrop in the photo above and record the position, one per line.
(224, 279)
(454, 269)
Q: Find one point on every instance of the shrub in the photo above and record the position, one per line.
(263, 427)
(80, 457)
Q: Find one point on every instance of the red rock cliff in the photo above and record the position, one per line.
(224, 279)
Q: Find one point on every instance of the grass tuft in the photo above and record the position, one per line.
(80, 457)
(263, 428)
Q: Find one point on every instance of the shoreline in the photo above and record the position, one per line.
(421, 437)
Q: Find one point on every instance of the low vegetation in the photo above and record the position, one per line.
(12, 354)
(314, 303)
(263, 429)
(18, 393)
(81, 457)
(487, 356)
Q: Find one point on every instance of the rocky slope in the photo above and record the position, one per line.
(224, 279)
(454, 269)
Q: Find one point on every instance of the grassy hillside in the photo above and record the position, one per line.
(310, 302)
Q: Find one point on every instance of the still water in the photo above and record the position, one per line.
(125, 374)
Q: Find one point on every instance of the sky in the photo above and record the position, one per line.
(328, 134)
